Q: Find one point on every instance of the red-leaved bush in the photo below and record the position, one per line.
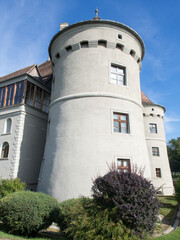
(134, 196)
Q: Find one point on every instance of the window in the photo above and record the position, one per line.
(5, 150)
(37, 97)
(7, 126)
(84, 44)
(158, 172)
(102, 43)
(153, 128)
(118, 75)
(11, 94)
(120, 123)
(155, 151)
(119, 36)
(19, 92)
(123, 165)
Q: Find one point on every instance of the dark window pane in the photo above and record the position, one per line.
(19, 92)
(2, 96)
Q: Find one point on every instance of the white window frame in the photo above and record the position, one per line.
(121, 66)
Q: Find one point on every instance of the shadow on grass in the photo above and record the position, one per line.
(38, 236)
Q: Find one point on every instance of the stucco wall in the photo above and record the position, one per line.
(155, 114)
(81, 142)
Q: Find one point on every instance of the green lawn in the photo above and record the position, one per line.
(175, 235)
(4, 235)
(168, 207)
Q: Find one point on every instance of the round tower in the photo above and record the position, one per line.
(157, 149)
(95, 115)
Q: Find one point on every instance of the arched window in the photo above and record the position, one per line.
(5, 150)
(7, 126)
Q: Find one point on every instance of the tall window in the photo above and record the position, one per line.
(155, 151)
(158, 172)
(123, 165)
(19, 92)
(153, 127)
(120, 122)
(11, 94)
(7, 125)
(118, 75)
(2, 96)
(5, 150)
(37, 97)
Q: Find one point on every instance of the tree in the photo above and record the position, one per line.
(174, 154)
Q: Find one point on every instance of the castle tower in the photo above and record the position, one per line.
(156, 144)
(96, 114)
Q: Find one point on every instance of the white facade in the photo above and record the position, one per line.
(96, 117)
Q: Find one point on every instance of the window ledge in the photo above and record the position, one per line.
(4, 159)
(4, 134)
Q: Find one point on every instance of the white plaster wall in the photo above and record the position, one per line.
(32, 147)
(158, 140)
(26, 143)
(81, 142)
(7, 166)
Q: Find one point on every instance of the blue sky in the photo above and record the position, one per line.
(27, 26)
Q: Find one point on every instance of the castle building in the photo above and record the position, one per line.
(97, 115)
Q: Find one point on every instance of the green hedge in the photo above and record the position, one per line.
(26, 212)
(8, 186)
(82, 219)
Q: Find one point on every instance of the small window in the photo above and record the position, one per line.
(5, 150)
(153, 128)
(139, 60)
(152, 115)
(155, 151)
(118, 75)
(152, 109)
(84, 44)
(158, 173)
(120, 46)
(102, 43)
(159, 115)
(121, 123)
(7, 126)
(123, 165)
(68, 48)
(57, 55)
(132, 53)
(119, 36)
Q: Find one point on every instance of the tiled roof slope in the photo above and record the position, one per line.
(17, 73)
(45, 71)
(145, 99)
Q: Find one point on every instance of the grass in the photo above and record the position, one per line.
(168, 207)
(175, 235)
(4, 235)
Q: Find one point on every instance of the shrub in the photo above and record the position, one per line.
(133, 195)
(83, 219)
(10, 185)
(177, 189)
(26, 212)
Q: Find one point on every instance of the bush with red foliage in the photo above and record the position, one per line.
(134, 196)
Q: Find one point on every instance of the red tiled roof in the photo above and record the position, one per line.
(145, 99)
(45, 69)
(17, 73)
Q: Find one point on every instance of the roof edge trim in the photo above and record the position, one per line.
(118, 24)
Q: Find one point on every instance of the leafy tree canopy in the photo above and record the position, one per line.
(174, 154)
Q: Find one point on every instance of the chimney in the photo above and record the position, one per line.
(63, 25)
